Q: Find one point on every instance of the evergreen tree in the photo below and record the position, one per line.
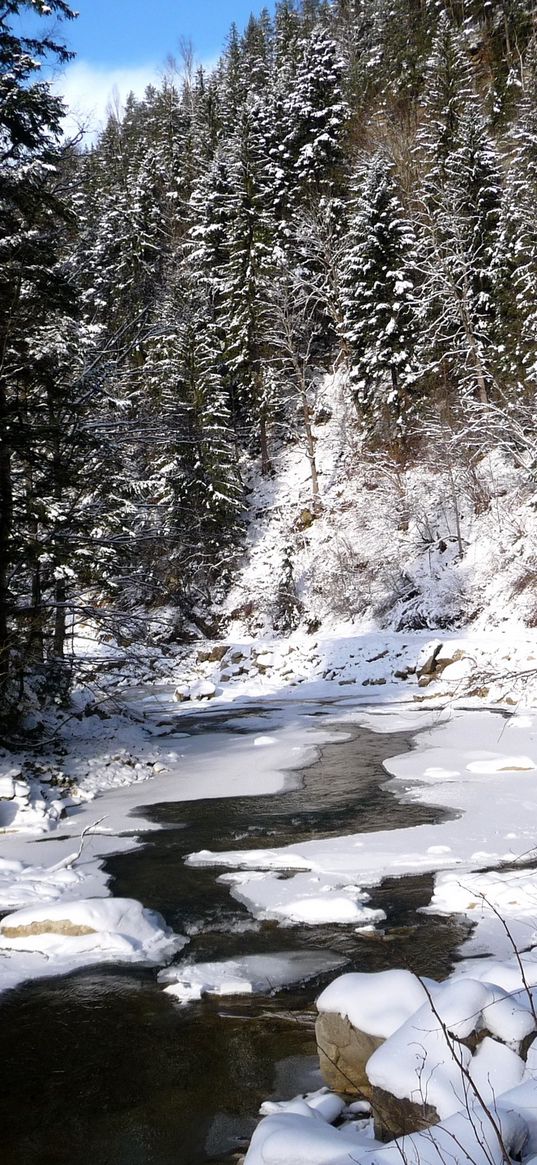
(32, 287)
(244, 275)
(315, 120)
(515, 265)
(461, 196)
(380, 300)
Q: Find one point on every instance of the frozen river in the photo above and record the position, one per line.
(106, 1069)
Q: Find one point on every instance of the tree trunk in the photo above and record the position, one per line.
(60, 597)
(36, 635)
(310, 449)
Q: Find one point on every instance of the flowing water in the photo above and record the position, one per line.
(102, 1068)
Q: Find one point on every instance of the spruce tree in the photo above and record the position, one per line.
(32, 287)
(380, 301)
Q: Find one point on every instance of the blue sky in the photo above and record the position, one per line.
(131, 32)
(122, 45)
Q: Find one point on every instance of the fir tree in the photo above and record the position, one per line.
(380, 300)
(32, 287)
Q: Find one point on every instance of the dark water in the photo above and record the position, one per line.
(102, 1068)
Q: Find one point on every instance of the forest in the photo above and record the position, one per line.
(351, 188)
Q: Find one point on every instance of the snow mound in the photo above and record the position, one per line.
(59, 937)
(377, 1004)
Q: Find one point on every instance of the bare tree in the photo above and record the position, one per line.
(291, 333)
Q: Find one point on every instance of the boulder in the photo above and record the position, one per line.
(426, 664)
(396, 1116)
(343, 1053)
(182, 693)
(212, 654)
(202, 690)
(265, 660)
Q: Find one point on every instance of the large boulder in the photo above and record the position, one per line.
(212, 654)
(357, 1012)
(343, 1053)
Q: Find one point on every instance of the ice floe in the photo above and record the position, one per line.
(251, 974)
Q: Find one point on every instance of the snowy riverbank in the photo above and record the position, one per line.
(478, 765)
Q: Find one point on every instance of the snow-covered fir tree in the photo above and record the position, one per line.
(380, 300)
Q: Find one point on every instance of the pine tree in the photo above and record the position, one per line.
(243, 277)
(460, 197)
(515, 265)
(315, 120)
(31, 286)
(380, 301)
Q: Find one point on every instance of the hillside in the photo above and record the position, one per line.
(269, 342)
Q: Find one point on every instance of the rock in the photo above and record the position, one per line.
(343, 1053)
(456, 669)
(264, 661)
(304, 520)
(7, 788)
(395, 1116)
(213, 654)
(182, 693)
(237, 656)
(426, 665)
(47, 926)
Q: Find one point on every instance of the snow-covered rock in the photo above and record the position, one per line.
(59, 936)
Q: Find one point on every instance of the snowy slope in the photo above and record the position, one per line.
(385, 550)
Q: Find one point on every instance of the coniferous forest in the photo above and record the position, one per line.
(352, 186)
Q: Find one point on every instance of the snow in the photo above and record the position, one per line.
(440, 771)
(491, 900)
(303, 898)
(59, 937)
(377, 1004)
(247, 975)
(299, 1134)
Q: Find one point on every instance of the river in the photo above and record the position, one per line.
(102, 1068)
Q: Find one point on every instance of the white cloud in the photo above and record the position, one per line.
(88, 90)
